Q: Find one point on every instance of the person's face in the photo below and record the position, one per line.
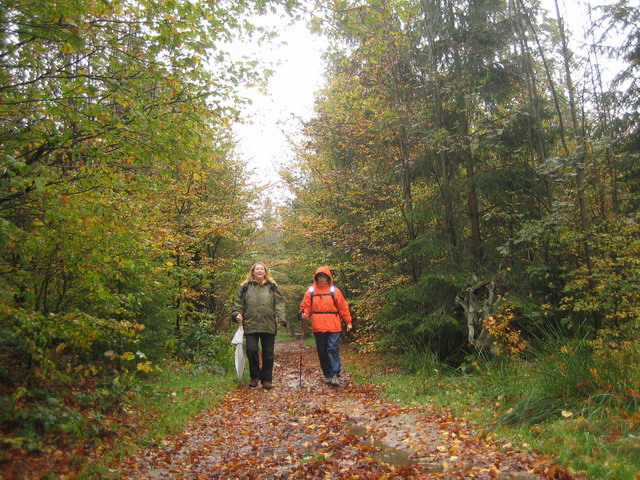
(259, 272)
(322, 280)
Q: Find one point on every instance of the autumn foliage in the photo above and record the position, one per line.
(123, 206)
(471, 181)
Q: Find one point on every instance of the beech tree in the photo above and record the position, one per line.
(117, 171)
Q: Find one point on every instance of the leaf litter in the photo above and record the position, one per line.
(307, 429)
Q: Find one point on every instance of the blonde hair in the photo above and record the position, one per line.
(267, 277)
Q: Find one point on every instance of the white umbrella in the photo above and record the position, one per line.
(237, 340)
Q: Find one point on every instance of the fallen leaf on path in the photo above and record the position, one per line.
(312, 431)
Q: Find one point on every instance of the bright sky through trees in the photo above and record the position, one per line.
(298, 66)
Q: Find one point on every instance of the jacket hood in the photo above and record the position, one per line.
(324, 269)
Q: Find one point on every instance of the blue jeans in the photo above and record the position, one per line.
(328, 346)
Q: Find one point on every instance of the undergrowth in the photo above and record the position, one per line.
(162, 406)
(112, 404)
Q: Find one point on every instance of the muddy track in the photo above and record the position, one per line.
(306, 429)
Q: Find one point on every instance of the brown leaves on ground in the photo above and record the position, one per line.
(312, 430)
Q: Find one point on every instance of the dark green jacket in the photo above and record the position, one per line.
(261, 306)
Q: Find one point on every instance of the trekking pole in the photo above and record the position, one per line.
(301, 344)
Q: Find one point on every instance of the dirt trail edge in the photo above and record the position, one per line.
(319, 431)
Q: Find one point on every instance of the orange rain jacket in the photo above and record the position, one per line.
(325, 314)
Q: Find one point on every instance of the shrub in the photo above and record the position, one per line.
(580, 374)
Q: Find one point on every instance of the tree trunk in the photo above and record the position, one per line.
(580, 162)
(441, 169)
(472, 196)
(603, 106)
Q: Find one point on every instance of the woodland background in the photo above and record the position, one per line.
(473, 183)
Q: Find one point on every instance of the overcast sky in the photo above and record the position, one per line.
(262, 138)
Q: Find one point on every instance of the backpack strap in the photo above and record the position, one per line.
(273, 287)
(332, 290)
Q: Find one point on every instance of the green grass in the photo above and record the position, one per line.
(164, 404)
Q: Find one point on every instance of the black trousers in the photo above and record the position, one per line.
(268, 340)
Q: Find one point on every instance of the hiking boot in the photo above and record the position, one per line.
(333, 381)
(267, 385)
(327, 380)
(253, 383)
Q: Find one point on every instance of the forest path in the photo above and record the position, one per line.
(312, 430)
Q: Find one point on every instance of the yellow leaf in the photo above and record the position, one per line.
(127, 356)
(145, 367)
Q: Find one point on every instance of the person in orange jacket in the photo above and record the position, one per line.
(324, 302)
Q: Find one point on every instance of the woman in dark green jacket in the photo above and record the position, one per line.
(259, 308)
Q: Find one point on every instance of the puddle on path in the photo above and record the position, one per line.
(390, 455)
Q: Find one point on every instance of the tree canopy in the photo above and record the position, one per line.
(457, 168)
(122, 201)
